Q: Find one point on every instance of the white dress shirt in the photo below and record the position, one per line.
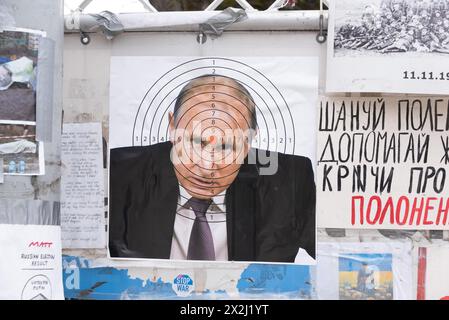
(216, 217)
(185, 217)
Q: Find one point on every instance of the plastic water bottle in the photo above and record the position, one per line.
(12, 167)
(22, 166)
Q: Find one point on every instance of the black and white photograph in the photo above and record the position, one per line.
(408, 27)
(392, 46)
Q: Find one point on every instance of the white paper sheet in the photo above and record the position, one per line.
(338, 265)
(382, 163)
(82, 186)
(436, 273)
(386, 51)
(31, 262)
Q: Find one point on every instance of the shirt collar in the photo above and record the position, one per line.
(218, 201)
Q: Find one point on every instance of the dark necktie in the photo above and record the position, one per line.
(201, 243)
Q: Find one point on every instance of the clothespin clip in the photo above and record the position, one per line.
(84, 38)
(322, 35)
(201, 38)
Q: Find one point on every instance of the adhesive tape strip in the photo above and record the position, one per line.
(44, 91)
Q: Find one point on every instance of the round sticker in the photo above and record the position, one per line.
(183, 285)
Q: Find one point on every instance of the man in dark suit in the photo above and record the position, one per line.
(206, 195)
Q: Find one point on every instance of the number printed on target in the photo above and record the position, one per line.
(188, 133)
(275, 124)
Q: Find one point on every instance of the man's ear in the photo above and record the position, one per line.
(171, 125)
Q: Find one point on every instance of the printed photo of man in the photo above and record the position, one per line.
(207, 194)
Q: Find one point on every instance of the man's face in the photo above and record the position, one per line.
(211, 138)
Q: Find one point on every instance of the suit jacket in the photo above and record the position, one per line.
(269, 217)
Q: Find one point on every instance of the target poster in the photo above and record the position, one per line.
(396, 46)
(211, 158)
(382, 163)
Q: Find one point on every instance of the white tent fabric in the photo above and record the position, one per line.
(20, 146)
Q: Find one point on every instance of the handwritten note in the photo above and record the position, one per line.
(31, 262)
(82, 186)
(383, 163)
